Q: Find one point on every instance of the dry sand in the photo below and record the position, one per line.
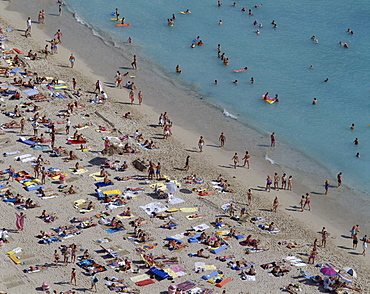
(295, 226)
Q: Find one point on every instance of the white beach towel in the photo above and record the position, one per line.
(156, 207)
(201, 227)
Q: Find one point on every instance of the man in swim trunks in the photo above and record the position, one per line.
(201, 144)
(272, 137)
(222, 139)
(72, 60)
(158, 171)
(339, 178)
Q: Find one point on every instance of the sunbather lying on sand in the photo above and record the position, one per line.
(123, 179)
(250, 272)
(139, 222)
(169, 225)
(278, 271)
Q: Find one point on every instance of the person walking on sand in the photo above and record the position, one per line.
(158, 169)
(364, 245)
(59, 35)
(354, 231)
(283, 181)
(140, 97)
(235, 159)
(29, 23)
(94, 282)
(302, 202)
(187, 163)
(222, 139)
(307, 202)
(19, 222)
(134, 63)
(268, 184)
(132, 96)
(312, 256)
(290, 183)
(56, 258)
(324, 238)
(73, 276)
(275, 204)
(276, 181)
(354, 242)
(339, 179)
(72, 60)
(327, 187)
(272, 138)
(246, 159)
(249, 196)
(22, 122)
(201, 144)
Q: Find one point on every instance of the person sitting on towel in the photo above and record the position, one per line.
(200, 253)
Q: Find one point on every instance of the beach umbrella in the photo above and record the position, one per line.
(350, 271)
(171, 186)
(198, 181)
(328, 271)
(345, 277)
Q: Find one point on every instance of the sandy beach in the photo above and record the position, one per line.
(294, 236)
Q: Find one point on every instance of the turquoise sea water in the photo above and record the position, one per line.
(278, 59)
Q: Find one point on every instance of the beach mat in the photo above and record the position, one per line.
(76, 142)
(114, 230)
(144, 283)
(187, 285)
(140, 278)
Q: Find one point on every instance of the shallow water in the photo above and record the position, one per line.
(278, 59)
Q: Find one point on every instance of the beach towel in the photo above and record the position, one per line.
(101, 184)
(28, 159)
(71, 141)
(78, 171)
(175, 200)
(201, 227)
(189, 209)
(144, 283)
(31, 92)
(41, 147)
(28, 142)
(194, 216)
(114, 230)
(124, 216)
(139, 278)
(208, 267)
(154, 207)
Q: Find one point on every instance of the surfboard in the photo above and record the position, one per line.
(115, 19)
(123, 25)
(184, 12)
(240, 70)
(196, 40)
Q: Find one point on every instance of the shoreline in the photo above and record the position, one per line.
(189, 139)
